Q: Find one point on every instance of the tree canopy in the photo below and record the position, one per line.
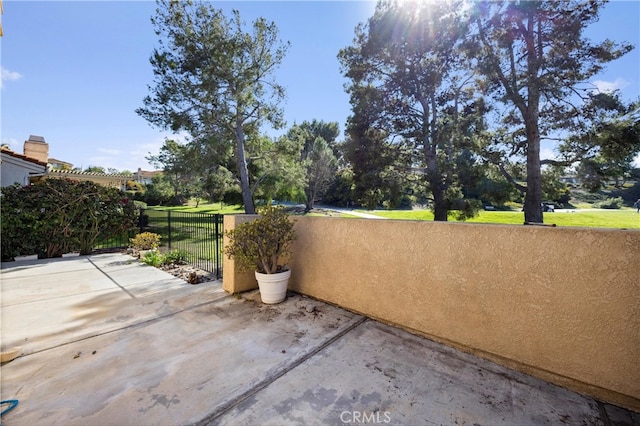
(536, 60)
(214, 79)
(410, 79)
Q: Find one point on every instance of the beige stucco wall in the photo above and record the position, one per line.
(559, 303)
(234, 281)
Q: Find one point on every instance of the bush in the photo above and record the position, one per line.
(610, 203)
(145, 241)
(153, 258)
(55, 216)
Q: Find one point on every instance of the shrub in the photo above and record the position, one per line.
(177, 257)
(54, 216)
(156, 259)
(145, 241)
(610, 203)
(153, 258)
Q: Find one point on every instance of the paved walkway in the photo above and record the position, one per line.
(108, 341)
(352, 212)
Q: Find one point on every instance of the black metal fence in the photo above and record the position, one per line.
(198, 235)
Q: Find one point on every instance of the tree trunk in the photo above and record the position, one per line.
(310, 195)
(440, 208)
(247, 198)
(533, 197)
(440, 204)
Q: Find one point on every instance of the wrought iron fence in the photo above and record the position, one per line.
(198, 235)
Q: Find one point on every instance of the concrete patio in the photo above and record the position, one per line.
(108, 341)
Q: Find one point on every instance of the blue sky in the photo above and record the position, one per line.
(74, 72)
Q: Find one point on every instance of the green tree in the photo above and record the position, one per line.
(214, 78)
(340, 191)
(94, 169)
(535, 58)
(407, 72)
(275, 168)
(175, 160)
(318, 156)
(552, 187)
(608, 146)
(159, 192)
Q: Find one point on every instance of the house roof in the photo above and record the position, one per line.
(23, 157)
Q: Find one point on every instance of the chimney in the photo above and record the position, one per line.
(35, 147)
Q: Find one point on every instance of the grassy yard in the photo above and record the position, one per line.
(626, 218)
(211, 208)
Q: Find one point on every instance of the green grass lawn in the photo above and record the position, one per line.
(212, 208)
(627, 218)
(624, 218)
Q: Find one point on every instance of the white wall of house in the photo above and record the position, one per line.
(16, 170)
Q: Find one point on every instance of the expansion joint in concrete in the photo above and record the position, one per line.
(210, 419)
(126, 327)
(111, 279)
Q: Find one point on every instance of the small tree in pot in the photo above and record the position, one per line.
(261, 245)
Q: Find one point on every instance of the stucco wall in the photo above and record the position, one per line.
(559, 303)
(234, 281)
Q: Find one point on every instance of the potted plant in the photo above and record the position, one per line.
(262, 245)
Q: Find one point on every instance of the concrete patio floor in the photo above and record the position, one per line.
(108, 341)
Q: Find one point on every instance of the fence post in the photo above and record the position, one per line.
(169, 227)
(217, 239)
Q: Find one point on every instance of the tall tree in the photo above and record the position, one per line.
(535, 58)
(318, 155)
(180, 166)
(275, 168)
(407, 77)
(214, 77)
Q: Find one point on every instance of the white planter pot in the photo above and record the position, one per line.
(273, 287)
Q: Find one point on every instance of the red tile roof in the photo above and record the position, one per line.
(23, 157)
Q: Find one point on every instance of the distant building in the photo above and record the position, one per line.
(35, 164)
(59, 164)
(144, 177)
